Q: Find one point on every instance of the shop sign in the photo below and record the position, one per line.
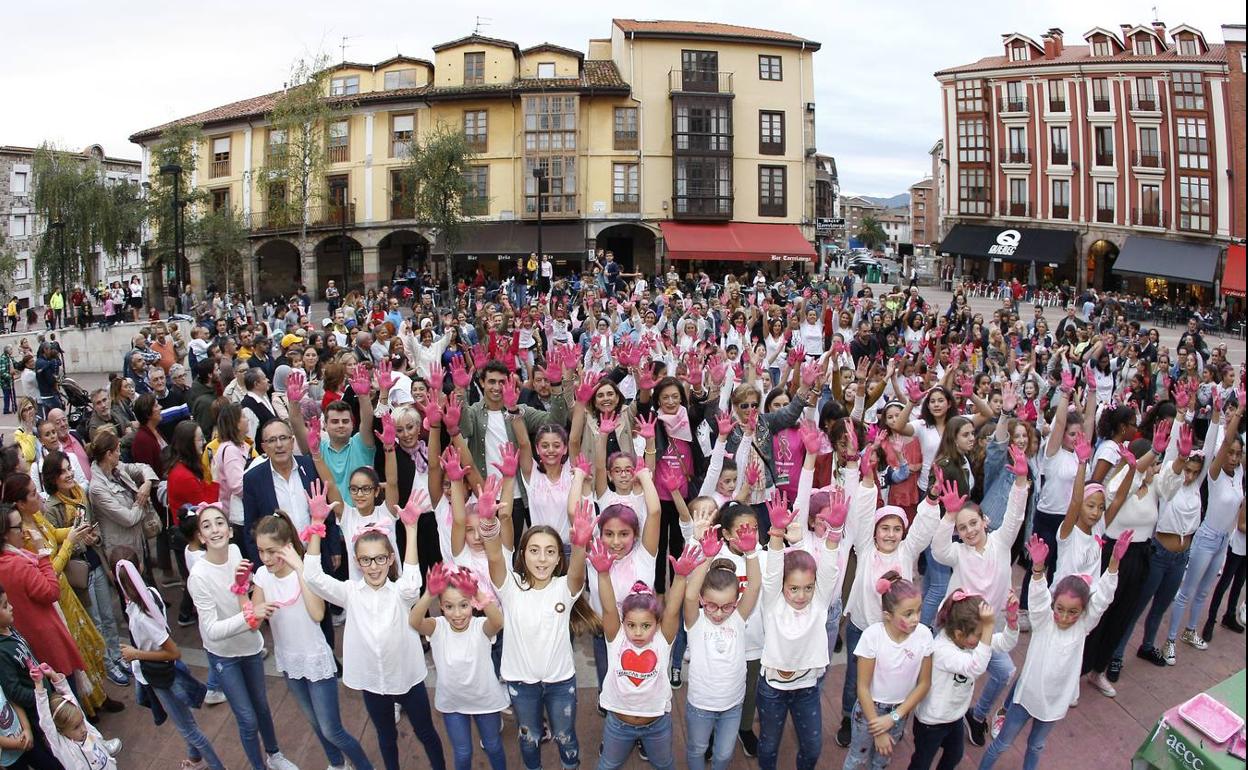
(1007, 243)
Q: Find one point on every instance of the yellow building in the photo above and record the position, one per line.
(668, 140)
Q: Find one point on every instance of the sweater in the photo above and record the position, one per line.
(33, 590)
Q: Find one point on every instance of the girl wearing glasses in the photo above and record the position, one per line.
(364, 487)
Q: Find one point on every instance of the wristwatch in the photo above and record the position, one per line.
(896, 717)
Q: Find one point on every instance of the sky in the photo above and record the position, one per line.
(80, 73)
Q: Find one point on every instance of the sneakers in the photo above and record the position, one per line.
(190, 764)
(1189, 637)
(675, 679)
(1231, 624)
(749, 742)
(1151, 654)
(398, 713)
(1167, 653)
(641, 752)
(1101, 683)
(1115, 670)
(117, 675)
(844, 733)
(998, 722)
(976, 729)
(277, 761)
(214, 698)
(187, 620)
(338, 618)
(113, 747)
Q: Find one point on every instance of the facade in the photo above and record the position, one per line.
(1128, 134)
(923, 215)
(660, 125)
(1236, 64)
(22, 228)
(855, 208)
(896, 224)
(827, 204)
(940, 204)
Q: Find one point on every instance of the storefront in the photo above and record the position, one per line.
(1036, 257)
(496, 247)
(1172, 271)
(774, 248)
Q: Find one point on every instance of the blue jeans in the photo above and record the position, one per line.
(558, 700)
(679, 645)
(459, 732)
(100, 609)
(415, 703)
(197, 744)
(1165, 573)
(319, 703)
(806, 708)
(699, 725)
(619, 738)
(1000, 671)
(862, 744)
(849, 691)
(1205, 558)
(1016, 718)
(935, 584)
(242, 681)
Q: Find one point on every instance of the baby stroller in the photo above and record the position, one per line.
(78, 406)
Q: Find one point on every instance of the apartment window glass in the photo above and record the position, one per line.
(1150, 144)
(972, 141)
(1194, 210)
(703, 126)
(703, 186)
(1100, 46)
(1150, 205)
(550, 144)
(625, 128)
(344, 86)
(1105, 202)
(1187, 46)
(1059, 142)
(1015, 96)
(625, 188)
(220, 157)
(1060, 189)
(1017, 142)
(769, 68)
(477, 190)
(221, 199)
(1057, 95)
(395, 79)
(972, 191)
(1144, 46)
(1018, 194)
(970, 95)
(549, 123)
(402, 196)
(336, 144)
(546, 69)
(1018, 53)
(1189, 91)
(19, 183)
(1193, 143)
(1100, 95)
(474, 68)
(770, 133)
(17, 226)
(476, 129)
(771, 193)
(277, 144)
(1103, 138)
(1145, 90)
(402, 133)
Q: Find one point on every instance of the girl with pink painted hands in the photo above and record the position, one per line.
(491, 507)
(546, 472)
(1078, 549)
(1060, 621)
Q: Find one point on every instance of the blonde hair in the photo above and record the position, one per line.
(65, 712)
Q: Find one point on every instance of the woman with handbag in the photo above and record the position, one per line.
(37, 534)
(120, 496)
(67, 503)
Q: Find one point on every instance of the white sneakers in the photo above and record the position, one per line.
(1189, 636)
(279, 762)
(1101, 683)
(214, 697)
(112, 746)
(1167, 654)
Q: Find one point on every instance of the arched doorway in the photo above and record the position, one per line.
(1101, 256)
(278, 272)
(400, 250)
(632, 244)
(339, 258)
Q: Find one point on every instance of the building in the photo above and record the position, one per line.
(827, 204)
(666, 140)
(854, 209)
(1233, 268)
(939, 203)
(923, 215)
(896, 224)
(22, 229)
(1105, 164)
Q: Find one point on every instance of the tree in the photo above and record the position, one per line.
(8, 266)
(93, 215)
(871, 232)
(221, 237)
(437, 170)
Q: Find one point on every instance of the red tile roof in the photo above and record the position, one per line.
(668, 28)
(1080, 54)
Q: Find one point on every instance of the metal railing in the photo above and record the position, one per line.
(1148, 158)
(1015, 155)
(1100, 105)
(699, 81)
(1144, 103)
(1061, 212)
(1104, 158)
(1016, 104)
(702, 206)
(1104, 215)
(1061, 158)
(1057, 105)
(326, 215)
(1148, 217)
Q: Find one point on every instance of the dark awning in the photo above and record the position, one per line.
(1182, 261)
(1012, 244)
(518, 238)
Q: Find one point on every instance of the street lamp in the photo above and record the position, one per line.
(175, 170)
(539, 174)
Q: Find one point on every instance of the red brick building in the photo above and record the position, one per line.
(1095, 163)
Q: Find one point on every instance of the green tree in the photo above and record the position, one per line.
(178, 146)
(8, 266)
(222, 239)
(871, 232)
(437, 171)
(93, 215)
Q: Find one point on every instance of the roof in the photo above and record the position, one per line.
(551, 47)
(596, 76)
(663, 28)
(13, 149)
(924, 182)
(477, 39)
(400, 58)
(1081, 54)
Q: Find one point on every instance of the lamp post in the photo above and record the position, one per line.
(175, 170)
(539, 174)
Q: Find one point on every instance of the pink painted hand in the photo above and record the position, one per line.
(438, 579)
(667, 477)
(750, 423)
(710, 542)
(1161, 437)
(837, 511)
(967, 387)
(432, 410)
(511, 393)
(387, 433)
(810, 373)
(361, 383)
(314, 437)
(1038, 550)
(778, 510)
(461, 375)
(554, 367)
(607, 423)
(450, 414)
(1122, 544)
(242, 578)
(451, 466)
(796, 355)
(464, 580)
(1083, 450)
(753, 474)
(295, 386)
(867, 463)
(1068, 381)
(851, 435)
(319, 506)
(1018, 462)
(599, 556)
(436, 376)
(417, 504)
(1127, 457)
(1185, 440)
(646, 425)
(645, 376)
(914, 389)
(724, 422)
(689, 560)
(385, 375)
(812, 437)
(747, 538)
(487, 499)
(949, 496)
(582, 524)
(508, 461)
(1011, 610)
(585, 390)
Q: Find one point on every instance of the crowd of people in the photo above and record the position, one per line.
(714, 485)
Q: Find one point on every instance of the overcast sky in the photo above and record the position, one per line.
(79, 73)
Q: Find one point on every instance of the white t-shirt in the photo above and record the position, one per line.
(716, 663)
(1077, 554)
(222, 627)
(1059, 481)
(954, 671)
(754, 623)
(897, 664)
(795, 641)
(466, 680)
(812, 338)
(537, 646)
(636, 501)
(299, 647)
(495, 437)
(548, 501)
(149, 634)
(929, 443)
(636, 683)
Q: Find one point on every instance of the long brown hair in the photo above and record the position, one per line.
(583, 618)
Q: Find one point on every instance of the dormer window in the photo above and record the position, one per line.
(1100, 46)
(396, 79)
(344, 86)
(1018, 53)
(474, 68)
(546, 69)
(1188, 47)
(1144, 46)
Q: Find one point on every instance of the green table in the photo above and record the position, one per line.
(1176, 744)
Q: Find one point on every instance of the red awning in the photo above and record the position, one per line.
(740, 241)
(1233, 272)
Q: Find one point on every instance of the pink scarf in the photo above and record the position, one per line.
(677, 425)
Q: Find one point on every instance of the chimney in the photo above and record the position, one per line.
(1160, 28)
(1052, 43)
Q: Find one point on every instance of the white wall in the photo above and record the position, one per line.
(95, 350)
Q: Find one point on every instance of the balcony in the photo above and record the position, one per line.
(1061, 211)
(1057, 105)
(625, 140)
(697, 206)
(337, 153)
(1145, 103)
(554, 206)
(287, 219)
(1105, 215)
(1148, 159)
(402, 209)
(1100, 105)
(1014, 155)
(1016, 104)
(699, 81)
(218, 168)
(1061, 158)
(1148, 217)
(625, 204)
(1104, 159)
(1016, 209)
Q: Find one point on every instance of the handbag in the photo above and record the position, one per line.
(77, 573)
(152, 525)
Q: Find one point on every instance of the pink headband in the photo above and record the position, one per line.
(384, 527)
(640, 587)
(958, 595)
(889, 510)
(1092, 489)
(149, 605)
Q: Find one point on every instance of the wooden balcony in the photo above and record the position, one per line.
(625, 204)
(337, 153)
(219, 168)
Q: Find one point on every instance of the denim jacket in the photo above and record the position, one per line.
(997, 483)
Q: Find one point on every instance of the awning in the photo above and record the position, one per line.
(1011, 244)
(1233, 272)
(517, 238)
(1181, 261)
(739, 241)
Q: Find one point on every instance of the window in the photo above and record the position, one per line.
(1195, 212)
(1016, 142)
(1189, 91)
(402, 134)
(1059, 145)
(1144, 45)
(546, 69)
(477, 192)
(1061, 198)
(703, 126)
(275, 196)
(1150, 147)
(1150, 206)
(1188, 47)
(402, 196)
(221, 199)
(699, 70)
(474, 68)
(972, 141)
(344, 86)
(17, 226)
(1100, 46)
(771, 201)
(970, 96)
(1145, 94)
(549, 123)
(1057, 96)
(1015, 96)
(770, 133)
(1105, 202)
(277, 146)
(1100, 95)
(703, 186)
(1018, 197)
(395, 79)
(19, 182)
(625, 188)
(625, 128)
(337, 149)
(476, 129)
(769, 68)
(220, 157)
(973, 191)
(21, 270)
(1018, 53)
(1103, 138)
(1193, 143)
(550, 144)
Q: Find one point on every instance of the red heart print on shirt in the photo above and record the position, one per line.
(638, 667)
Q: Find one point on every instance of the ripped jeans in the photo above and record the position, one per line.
(558, 701)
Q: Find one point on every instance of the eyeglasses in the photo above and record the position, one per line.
(368, 561)
(748, 405)
(278, 439)
(364, 490)
(724, 608)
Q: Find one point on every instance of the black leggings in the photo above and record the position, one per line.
(1232, 577)
(670, 542)
(415, 703)
(1133, 570)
